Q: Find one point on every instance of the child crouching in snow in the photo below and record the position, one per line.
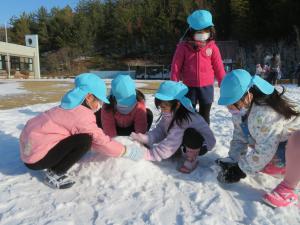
(179, 125)
(56, 139)
(126, 111)
(269, 124)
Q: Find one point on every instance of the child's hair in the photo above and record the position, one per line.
(180, 115)
(191, 32)
(85, 104)
(276, 101)
(111, 106)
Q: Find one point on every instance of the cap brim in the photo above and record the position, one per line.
(264, 86)
(102, 98)
(163, 97)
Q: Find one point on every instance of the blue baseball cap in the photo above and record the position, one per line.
(171, 90)
(237, 82)
(124, 90)
(84, 83)
(200, 19)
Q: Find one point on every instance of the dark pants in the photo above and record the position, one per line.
(204, 96)
(126, 131)
(64, 154)
(194, 140)
(272, 77)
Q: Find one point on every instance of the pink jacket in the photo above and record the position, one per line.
(197, 68)
(44, 131)
(138, 117)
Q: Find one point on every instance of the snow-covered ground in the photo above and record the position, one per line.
(11, 88)
(121, 191)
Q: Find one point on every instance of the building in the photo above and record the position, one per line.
(18, 61)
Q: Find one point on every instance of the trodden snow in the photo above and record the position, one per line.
(121, 191)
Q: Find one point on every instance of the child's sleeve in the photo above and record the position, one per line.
(108, 123)
(238, 144)
(166, 147)
(265, 127)
(218, 65)
(177, 63)
(140, 120)
(157, 134)
(100, 141)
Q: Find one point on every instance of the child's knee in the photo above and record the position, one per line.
(294, 141)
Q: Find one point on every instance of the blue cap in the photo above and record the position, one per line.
(236, 83)
(200, 19)
(123, 88)
(84, 83)
(171, 90)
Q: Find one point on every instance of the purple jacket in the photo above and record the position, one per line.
(164, 144)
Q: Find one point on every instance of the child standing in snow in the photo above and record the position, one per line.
(178, 125)
(269, 124)
(126, 111)
(56, 139)
(197, 61)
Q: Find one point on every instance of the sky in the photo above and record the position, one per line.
(10, 8)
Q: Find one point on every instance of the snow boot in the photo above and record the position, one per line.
(58, 181)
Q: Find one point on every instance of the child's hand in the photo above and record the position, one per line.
(142, 138)
(231, 173)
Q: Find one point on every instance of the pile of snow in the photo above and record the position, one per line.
(121, 191)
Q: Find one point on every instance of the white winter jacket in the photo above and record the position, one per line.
(267, 129)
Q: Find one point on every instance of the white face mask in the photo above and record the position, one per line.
(98, 108)
(201, 36)
(123, 109)
(236, 112)
(166, 114)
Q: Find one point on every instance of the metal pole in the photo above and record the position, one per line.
(8, 58)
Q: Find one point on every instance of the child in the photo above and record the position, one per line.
(197, 61)
(126, 111)
(178, 125)
(275, 72)
(56, 139)
(269, 124)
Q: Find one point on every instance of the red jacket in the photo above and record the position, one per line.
(197, 68)
(111, 119)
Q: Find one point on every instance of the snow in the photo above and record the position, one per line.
(121, 191)
(11, 88)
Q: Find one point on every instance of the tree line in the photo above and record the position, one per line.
(135, 28)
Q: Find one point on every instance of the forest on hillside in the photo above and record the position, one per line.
(108, 31)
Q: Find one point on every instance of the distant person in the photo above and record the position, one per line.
(126, 111)
(266, 136)
(258, 69)
(179, 125)
(275, 72)
(57, 138)
(197, 61)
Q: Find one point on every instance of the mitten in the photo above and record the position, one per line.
(142, 138)
(230, 173)
(134, 152)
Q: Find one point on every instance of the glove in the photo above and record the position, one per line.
(134, 152)
(230, 173)
(224, 162)
(142, 138)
